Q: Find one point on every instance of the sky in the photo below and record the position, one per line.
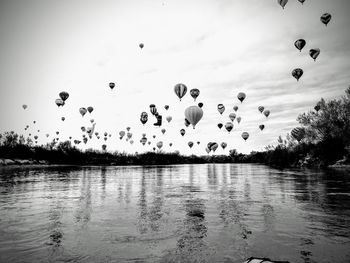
(221, 47)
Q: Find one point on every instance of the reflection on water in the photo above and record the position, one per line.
(180, 213)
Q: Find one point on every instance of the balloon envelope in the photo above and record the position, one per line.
(193, 114)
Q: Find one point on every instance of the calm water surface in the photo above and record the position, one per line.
(180, 213)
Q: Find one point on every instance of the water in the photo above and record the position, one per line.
(180, 213)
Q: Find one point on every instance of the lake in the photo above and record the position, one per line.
(178, 213)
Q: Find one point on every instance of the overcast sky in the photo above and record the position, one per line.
(221, 47)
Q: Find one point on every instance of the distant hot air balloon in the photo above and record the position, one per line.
(223, 145)
(63, 118)
(297, 73)
(182, 132)
(111, 85)
(221, 108)
(261, 126)
(90, 109)
(232, 116)
(170, 144)
(193, 114)
(36, 137)
(83, 129)
(298, 133)
(163, 131)
(325, 18)
(194, 93)
(128, 128)
(229, 126)
(92, 120)
(59, 102)
(282, 3)
(317, 107)
(82, 111)
(200, 105)
(166, 107)
(301, 1)
(154, 136)
(198, 142)
(24, 106)
(190, 144)
(47, 135)
(104, 147)
(239, 119)
(141, 45)
(169, 118)
(207, 150)
(180, 90)
(300, 44)
(235, 108)
(241, 96)
(314, 53)
(214, 146)
(245, 135)
(220, 125)
(261, 109)
(153, 109)
(64, 95)
(121, 134)
(144, 117)
(266, 113)
(159, 144)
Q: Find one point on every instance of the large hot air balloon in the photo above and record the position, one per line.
(182, 132)
(159, 144)
(266, 113)
(298, 133)
(241, 96)
(190, 144)
(297, 73)
(169, 118)
(245, 135)
(59, 102)
(282, 3)
(314, 53)
(229, 126)
(64, 95)
(82, 111)
(261, 109)
(300, 44)
(325, 18)
(141, 45)
(232, 116)
(194, 93)
(180, 90)
(221, 108)
(223, 145)
(220, 125)
(24, 106)
(90, 109)
(261, 126)
(111, 85)
(193, 114)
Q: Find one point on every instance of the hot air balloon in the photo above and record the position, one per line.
(297, 73)
(92, 120)
(131, 141)
(163, 131)
(282, 3)
(298, 133)
(232, 116)
(193, 114)
(111, 85)
(24, 106)
(317, 107)
(83, 129)
(261, 109)
(166, 107)
(301, 1)
(266, 113)
(221, 108)
(57, 132)
(198, 142)
(190, 144)
(214, 146)
(159, 144)
(36, 137)
(223, 145)
(245, 135)
(241, 96)
(154, 136)
(180, 90)
(187, 123)
(261, 126)
(82, 111)
(90, 109)
(143, 140)
(59, 102)
(129, 135)
(159, 120)
(200, 105)
(64, 95)
(170, 144)
(121, 134)
(128, 128)
(153, 109)
(229, 126)
(300, 44)
(169, 118)
(325, 18)
(239, 119)
(141, 45)
(104, 147)
(220, 125)
(47, 135)
(182, 132)
(207, 150)
(314, 53)
(63, 118)
(144, 117)
(194, 93)
(34, 122)
(235, 108)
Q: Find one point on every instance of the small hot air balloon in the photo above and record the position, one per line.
(193, 114)
(64, 95)
(141, 45)
(301, 1)
(325, 18)
(166, 107)
(198, 142)
(187, 123)
(128, 128)
(59, 102)
(90, 109)
(194, 93)
(241, 96)
(314, 53)
(282, 3)
(36, 137)
(200, 105)
(223, 145)
(182, 132)
(92, 120)
(245, 135)
(82, 111)
(239, 119)
(170, 144)
(24, 106)
(261, 109)
(298, 133)
(232, 116)
(111, 85)
(261, 126)
(159, 144)
(221, 108)
(214, 146)
(63, 118)
(190, 144)
(317, 107)
(297, 73)
(153, 109)
(229, 126)
(300, 44)
(163, 131)
(207, 150)
(220, 125)
(144, 117)
(180, 90)
(235, 108)
(154, 136)
(169, 118)
(266, 113)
